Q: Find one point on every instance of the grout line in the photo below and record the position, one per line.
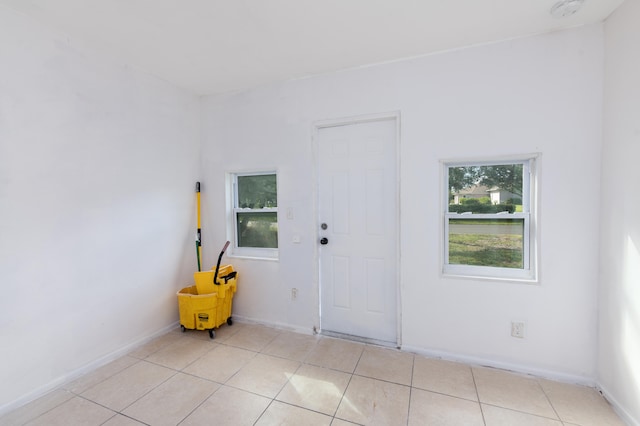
(413, 365)
(342, 397)
(151, 390)
(288, 380)
(138, 360)
(214, 346)
(549, 400)
(359, 359)
(200, 405)
(475, 385)
(129, 417)
(115, 412)
(348, 384)
(447, 395)
(247, 391)
(385, 381)
(73, 395)
(239, 369)
(303, 408)
(525, 412)
(263, 411)
(310, 351)
(67, 386)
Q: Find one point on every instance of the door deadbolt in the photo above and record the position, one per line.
(324, 226)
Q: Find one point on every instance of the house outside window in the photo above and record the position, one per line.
(489, 218)
(254, 214)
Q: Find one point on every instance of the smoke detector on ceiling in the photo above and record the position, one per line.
(565, 8)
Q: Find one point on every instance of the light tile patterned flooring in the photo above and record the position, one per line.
(256, 375)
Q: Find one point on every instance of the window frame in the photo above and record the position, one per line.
(529, 271)
(267, 253)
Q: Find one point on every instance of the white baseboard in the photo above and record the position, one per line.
(73, 375)
(620, 411)
(516, 368)
(484, 362)
(278, 325)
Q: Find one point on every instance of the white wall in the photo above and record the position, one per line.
(98, 164)
(619, 296)
(539, 94)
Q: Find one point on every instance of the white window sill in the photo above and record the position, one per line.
(253, 257)
(515, 280)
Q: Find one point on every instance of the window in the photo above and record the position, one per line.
(255, 214)
(489, 221)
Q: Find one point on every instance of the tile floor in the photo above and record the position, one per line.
(255, 375)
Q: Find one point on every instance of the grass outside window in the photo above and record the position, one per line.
(495, 243)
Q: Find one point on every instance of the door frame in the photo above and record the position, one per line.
(315, 133)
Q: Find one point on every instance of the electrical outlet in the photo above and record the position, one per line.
(517, 329)
(294, 293)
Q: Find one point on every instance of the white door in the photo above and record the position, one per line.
(358, 205)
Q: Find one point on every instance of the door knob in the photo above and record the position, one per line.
(324, 241)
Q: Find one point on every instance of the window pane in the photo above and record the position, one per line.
(485, 189)
(257, 229)
(256, 192)
(487, 242)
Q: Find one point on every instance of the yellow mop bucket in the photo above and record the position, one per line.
(198, 311)
(207, 305)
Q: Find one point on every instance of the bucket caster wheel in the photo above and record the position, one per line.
(182, 328)
(229, 321)
(212, 334)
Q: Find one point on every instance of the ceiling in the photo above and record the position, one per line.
(216, 46)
